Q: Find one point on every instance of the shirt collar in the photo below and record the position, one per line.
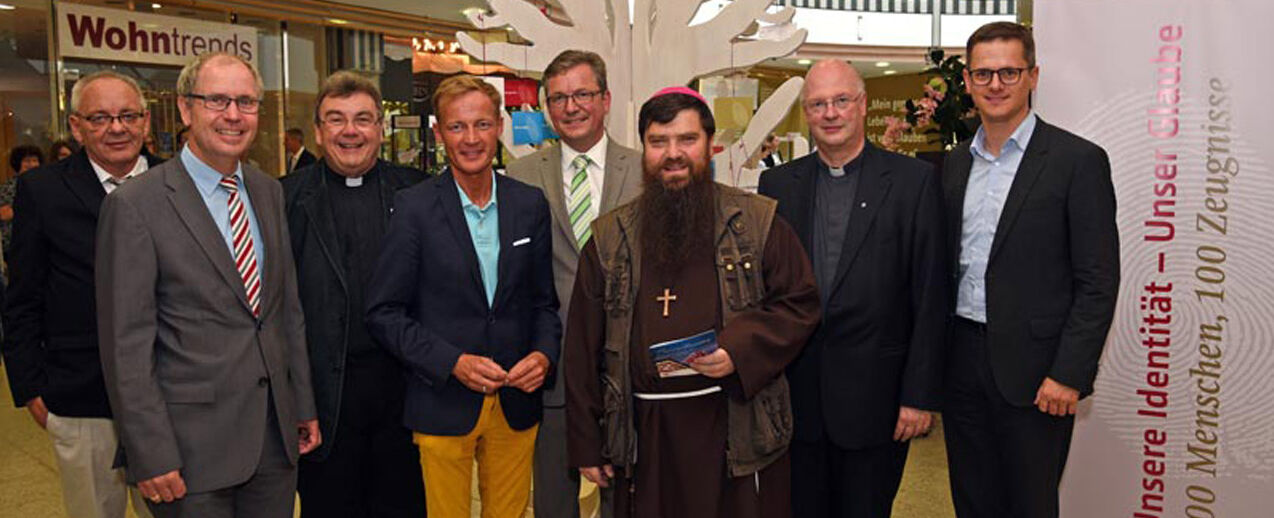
(467, 204)
(139, 167)
(597, 153)
(1020, 138)
(206, 178)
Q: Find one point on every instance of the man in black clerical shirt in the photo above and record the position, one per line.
(338, 210)
(866, 382)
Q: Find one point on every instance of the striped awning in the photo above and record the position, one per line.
(990, 7)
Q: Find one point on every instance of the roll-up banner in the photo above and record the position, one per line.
(1178, 92)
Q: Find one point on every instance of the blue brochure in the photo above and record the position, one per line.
(672, 358)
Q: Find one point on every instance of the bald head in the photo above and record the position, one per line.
(835, 103)
(833, 72)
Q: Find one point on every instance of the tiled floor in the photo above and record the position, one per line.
(29, 486)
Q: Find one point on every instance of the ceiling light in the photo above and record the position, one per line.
(882, 64)
(336, 21)
(890, 72)
(7, 7)
(803, 62)
(155, 6)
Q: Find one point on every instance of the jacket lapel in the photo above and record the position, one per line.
(82, 181)
(873, 186)
(1028, 171)
(802, 220)
(554, 190)
(507, 211)
(313, 203)
(449, 199)
(960, 163)
(189, 205)
(618, 166)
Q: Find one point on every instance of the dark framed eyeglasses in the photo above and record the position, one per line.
(102, 120)
(1008, 75)
(582, 97)
(218, 103)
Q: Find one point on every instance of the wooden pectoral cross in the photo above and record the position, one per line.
(667, 298)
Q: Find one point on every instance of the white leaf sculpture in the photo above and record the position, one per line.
(657, 48)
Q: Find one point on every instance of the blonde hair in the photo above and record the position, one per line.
(455, 86)
(190, 73)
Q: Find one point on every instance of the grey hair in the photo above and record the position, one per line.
(77, 91)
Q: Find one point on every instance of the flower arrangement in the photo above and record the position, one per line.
(946, 111)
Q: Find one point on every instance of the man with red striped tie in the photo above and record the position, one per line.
(201, 332)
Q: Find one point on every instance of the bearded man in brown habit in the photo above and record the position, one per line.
(690, 266)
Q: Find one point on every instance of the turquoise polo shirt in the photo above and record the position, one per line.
(484, 230)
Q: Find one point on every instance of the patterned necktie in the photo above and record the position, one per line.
(581, 202)
(245, 257)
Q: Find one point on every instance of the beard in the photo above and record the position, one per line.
(676, 222)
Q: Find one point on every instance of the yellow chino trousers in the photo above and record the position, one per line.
(504, 458)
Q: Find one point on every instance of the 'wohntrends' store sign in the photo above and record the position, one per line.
(117, 35)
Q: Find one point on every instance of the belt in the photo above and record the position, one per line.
(659, 396)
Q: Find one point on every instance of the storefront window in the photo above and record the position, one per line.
(24, 86)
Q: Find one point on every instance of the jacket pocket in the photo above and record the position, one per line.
(741, 280)
(612, 420)
(772, 418)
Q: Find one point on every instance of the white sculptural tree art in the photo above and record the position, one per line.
(657, 48)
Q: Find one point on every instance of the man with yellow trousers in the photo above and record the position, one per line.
(463, 294)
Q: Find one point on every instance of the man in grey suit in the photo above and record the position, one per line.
(584, 176)
(201, 332)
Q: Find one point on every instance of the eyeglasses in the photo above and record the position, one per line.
(361, 121)
(102, 120)
(581, 97)
(218, 102)
(840, 103)
(1008, 75)
(457, 128)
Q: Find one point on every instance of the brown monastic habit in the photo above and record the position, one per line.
(681, 443)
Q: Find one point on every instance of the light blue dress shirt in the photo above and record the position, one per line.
(990, 178)
(207, 183)
(484, 229)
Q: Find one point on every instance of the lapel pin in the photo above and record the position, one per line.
(864, 205)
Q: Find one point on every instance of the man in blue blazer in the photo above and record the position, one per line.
(463, 295)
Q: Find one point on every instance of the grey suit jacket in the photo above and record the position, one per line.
(188, 368)
(543, 169)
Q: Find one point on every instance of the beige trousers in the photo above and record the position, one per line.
(85, 450)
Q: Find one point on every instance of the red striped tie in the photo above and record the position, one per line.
(245, 257)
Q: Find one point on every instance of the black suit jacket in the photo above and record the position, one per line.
(1053, 272)
(321, 279)
(881, 341)
(427, 305)
(305, 160)
(50, 319)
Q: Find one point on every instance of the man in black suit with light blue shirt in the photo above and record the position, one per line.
(1035, 258)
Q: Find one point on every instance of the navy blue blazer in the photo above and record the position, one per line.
(427, 306)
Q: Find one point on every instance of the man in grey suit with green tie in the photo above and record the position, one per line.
(585, 175)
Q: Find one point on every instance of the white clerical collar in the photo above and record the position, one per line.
(139, 167)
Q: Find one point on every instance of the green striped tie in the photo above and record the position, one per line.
(581, 202)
